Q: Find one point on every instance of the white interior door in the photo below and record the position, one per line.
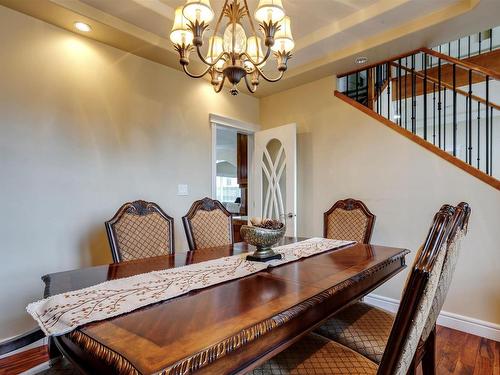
(275, 172)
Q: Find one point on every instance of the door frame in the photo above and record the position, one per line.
(218, 121)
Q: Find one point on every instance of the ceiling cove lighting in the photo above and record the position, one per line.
(82, 26)
(231, 55)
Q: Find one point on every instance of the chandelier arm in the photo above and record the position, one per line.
(184, 67)
(221, 15)
(198, 51)
(268, 53)
(252, 90)
(250, 19)
(221, 85)
(270, 79)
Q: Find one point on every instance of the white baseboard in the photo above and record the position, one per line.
(459, 322)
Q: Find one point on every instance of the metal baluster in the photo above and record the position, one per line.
(406, 94)
(466, 129)
(458, 48)
(413, 99)
(425, 95)
(388, 77)
(468, 47)
(439, 102)
(399, 93)
(491, 40)
(378, 89)
(347, 85)
(454, 110)
(470, 117)
(491, 141)
(487, 125)
(357, 86)
(434, 114)
(479, 44)
(478, 132)
(444, 120)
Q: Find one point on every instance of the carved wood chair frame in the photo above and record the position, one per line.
(141, 208)
(445, 225)
(351, 204)
(205, 204)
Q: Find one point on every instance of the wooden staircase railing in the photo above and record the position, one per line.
(439, 100)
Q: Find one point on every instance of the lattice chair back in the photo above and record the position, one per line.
(208, 224)
(139, 230)
(419, 297)
(349, 219)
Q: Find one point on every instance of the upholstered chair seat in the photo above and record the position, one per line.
(361, 327)
(366, 329)
(376, 342)
(315, 354)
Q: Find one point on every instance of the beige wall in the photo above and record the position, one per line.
(345, 153)
(83, 128)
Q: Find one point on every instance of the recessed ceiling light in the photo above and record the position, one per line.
(82, 26)
(361, 60)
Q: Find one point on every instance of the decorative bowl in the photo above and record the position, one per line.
(262, 239)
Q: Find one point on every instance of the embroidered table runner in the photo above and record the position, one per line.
(62, 313)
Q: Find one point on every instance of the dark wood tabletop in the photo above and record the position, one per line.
(227, 328)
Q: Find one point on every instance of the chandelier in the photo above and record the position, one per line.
(231, 55)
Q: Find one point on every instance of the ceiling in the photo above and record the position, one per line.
(329, 34)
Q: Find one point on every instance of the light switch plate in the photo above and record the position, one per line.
(182, 189)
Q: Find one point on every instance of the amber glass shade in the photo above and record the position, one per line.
(180, 34)
(283, 40)
(269, 10)
(198, 10)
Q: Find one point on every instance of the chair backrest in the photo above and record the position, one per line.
(349, 219)
(458, 232)
(419, 297)
(138, 230)
(208, 224)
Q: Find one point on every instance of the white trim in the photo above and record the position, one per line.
(246, 127)
(451, 320)
(213, 151)
(242, 127)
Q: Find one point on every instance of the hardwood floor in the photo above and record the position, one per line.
(464, 354)
(23, 361)
(457, 353)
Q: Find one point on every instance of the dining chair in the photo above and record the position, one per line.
(139, 230)
(366, 329)
(349, 219)
(208, 224)
(320, 355)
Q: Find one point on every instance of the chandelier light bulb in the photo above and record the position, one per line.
(198, 10)
(269, 10)
(180, 34)
(254, 49)
(283, 40)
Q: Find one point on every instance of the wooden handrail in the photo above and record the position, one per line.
(467, 65)
(490, 180)
(447, 85)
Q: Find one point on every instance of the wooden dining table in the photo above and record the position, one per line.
(229, 328)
